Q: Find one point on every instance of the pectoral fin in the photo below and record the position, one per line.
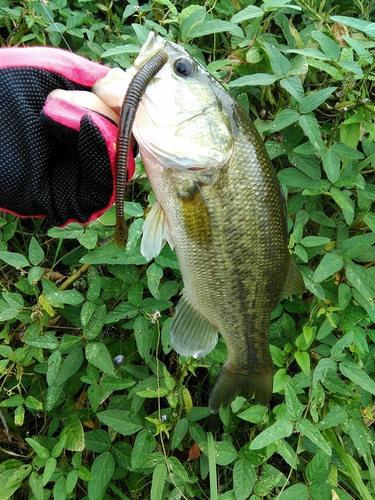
(294, 281)
(155, 232)
(191, 333)
(195, 215)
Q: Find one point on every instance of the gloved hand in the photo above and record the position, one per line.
(57, 158)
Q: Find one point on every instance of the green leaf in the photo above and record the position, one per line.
(296, 492)
(225, 452)
(328, 46)
(159, 477)
(251, 80)
(358, 24)
(279, 63)
(331, 164)
(102, 471)
(306, 428)
(293, 85)
(285, 118)
(295, 178)
(14, 259)
(249, 12)
(97, 354)
(310, 126)
(70, 365)
(319, 467)
(329, 265)
(121, 421)
(303, 360)
(356, 245)
(144, 444)
(49, 469)
(179, 432)
(39, 449)
(333, 418)
(73, 431)
(315, 241)
(293, 406)
(255, 414)
(97, 441)
(244, 476)
(36, 254)
(279, 430)
(44, 341)
(154, 274)
(71, 297)
(95, 324)
(354, 373)
(214, 26)
(359, 435)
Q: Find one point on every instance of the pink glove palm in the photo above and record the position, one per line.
(57, 159)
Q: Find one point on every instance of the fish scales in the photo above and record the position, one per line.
(226, 220)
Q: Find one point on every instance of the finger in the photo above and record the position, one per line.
(112, 88)
(87, 100)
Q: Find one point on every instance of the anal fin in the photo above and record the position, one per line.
(191, 333)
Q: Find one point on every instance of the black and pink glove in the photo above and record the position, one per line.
(57, 158)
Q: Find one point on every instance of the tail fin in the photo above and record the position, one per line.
(231, 384)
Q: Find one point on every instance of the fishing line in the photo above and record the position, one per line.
(129, 108)
(55, 25)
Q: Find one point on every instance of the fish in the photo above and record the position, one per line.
(220, 205)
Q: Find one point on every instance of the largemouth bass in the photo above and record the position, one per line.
(220, 205)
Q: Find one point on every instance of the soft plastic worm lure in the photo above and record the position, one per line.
(128, 111)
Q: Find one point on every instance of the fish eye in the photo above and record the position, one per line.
(183, 67)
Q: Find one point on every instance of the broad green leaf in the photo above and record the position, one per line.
(95, 324)
(39, 449)
(36, 253)
(315, 241)
(356, 245)
(342, 198)
(333, 418)
(358, 24)
(249, 12)
(144, 444)
(121, 49)
(359, 278)
(357, 375)
(279, 63)
(293, 406)
(288, 453)
(14, 259)
(308, 164)
(244, 476)
(251, 80)
(296, 178)
(225, 452)
(279, 430)
(121, 421)
(329, 265)
(296, 492)
(70, 365)
(254, 414)
(159, 477)
(15, 400)
(44, 341)
(102, 470)
(294, 86)
(319, 467)
(310, 126)
(179, 432)
(49, 469)
(71, 297)
(71, 231)
(98, 355)
(310, 431)
(328, 46)
(285, 118)
(360, 437)
(97, 441)
(73, 431)
(214, 26)
(154, 274)
(331, 164)
(314, 100)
